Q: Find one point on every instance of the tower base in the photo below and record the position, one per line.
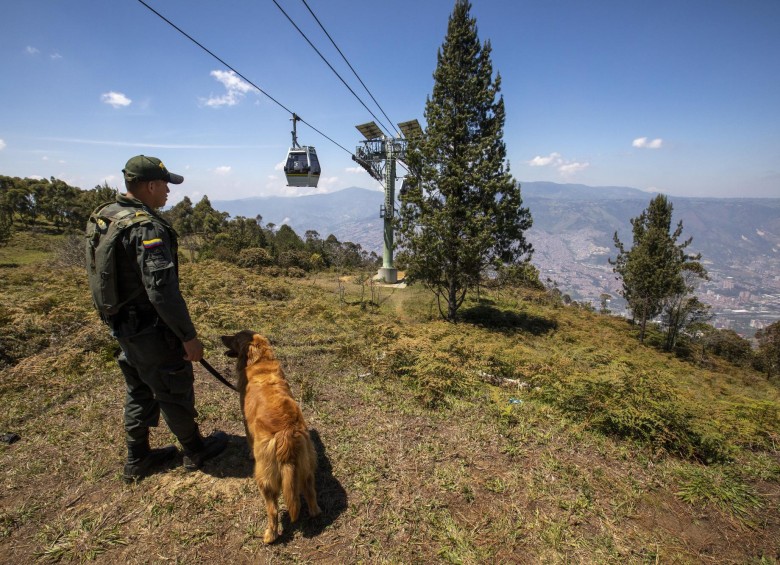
(390, 276)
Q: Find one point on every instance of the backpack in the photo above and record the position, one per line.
(104, 227)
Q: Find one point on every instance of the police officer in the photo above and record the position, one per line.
(157, 338)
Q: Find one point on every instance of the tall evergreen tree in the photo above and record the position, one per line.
(463, 213)
(200, 225)
(655, 268)
(206, 221)
(181, 217)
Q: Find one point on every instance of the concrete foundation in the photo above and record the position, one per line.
(390, 276)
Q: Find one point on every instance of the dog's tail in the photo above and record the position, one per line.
(288, 446)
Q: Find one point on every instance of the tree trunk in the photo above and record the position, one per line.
(452, 302)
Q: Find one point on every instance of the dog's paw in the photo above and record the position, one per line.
(270, 536)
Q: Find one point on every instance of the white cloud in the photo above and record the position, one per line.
(565, 167)
(280, 165)
(552, 159)
(32, 50)
(645, 143)
(55, 56)
(223, 170)
(115, 99)
(235, 87)
(570, 169)
(3, 145)
(327, 183)
(354, 170)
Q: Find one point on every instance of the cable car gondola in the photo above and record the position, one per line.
(302, 168)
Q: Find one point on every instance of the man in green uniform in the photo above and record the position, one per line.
(153, 327)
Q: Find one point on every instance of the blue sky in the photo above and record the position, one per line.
(676, 96)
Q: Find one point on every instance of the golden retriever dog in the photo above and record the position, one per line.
(285, 459)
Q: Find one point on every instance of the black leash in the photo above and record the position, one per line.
(219, 377)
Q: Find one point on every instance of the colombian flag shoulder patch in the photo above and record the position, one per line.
(152, 243)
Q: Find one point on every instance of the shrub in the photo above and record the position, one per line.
(436, 366)
(641, 406)
(254, 257)
(729, 345)
(294, 258)
(718, 487)
(275, 291)
(221, 253)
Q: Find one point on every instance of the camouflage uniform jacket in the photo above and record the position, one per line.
(146, 255)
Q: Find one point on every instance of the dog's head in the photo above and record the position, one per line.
(248, 347)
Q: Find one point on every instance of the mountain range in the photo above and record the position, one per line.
(572, 234)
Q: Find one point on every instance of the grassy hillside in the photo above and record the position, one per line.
(529, 433)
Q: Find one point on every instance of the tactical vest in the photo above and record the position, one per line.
(104, 227)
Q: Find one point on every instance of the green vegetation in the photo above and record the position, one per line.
(50, 207)
(529, 431)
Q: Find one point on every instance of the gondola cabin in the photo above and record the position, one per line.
(302, 167)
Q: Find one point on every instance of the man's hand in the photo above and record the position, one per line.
(194, 350)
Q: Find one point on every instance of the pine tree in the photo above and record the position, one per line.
(656, 268)
(463, 211)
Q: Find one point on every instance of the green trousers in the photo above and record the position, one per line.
(158, 380)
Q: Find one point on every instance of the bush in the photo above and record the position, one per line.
(299, 259)
(275, 291)
(434, 367)
(224, 254)
(729, 345)
(640, 406)
(253, 257)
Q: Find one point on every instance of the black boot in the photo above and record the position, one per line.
(142, 460)
(201, 449)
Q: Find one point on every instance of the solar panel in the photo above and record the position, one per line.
(370, 130)
(411, 129)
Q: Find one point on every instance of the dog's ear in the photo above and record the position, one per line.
(231, 353)
(253, 353)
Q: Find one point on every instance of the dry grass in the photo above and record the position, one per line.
(467, 443)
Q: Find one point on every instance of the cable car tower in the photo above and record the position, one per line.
(377, 155)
